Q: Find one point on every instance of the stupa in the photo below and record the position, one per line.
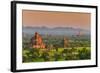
(37, 41)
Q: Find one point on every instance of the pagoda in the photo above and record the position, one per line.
(37, 41)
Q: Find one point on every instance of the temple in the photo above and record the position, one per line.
(37, 41)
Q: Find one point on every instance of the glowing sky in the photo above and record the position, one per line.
(56, 19)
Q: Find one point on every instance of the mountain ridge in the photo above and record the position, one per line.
(55, 30)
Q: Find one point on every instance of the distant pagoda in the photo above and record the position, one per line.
(37, 41)
(66, 42)
(80, 33)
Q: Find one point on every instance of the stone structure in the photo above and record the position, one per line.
(80, 33)
(66, 42)
(37, 42)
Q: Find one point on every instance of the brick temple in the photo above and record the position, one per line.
(37, 41)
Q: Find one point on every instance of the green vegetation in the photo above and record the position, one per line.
(42, 55)
(78, 49)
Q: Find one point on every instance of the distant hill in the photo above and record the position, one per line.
(55, 31)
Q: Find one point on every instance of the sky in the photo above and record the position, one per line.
(53, 19)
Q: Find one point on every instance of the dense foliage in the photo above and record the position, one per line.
(78, 49)
(60, 54)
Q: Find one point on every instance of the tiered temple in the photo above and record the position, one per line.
(37, 41)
